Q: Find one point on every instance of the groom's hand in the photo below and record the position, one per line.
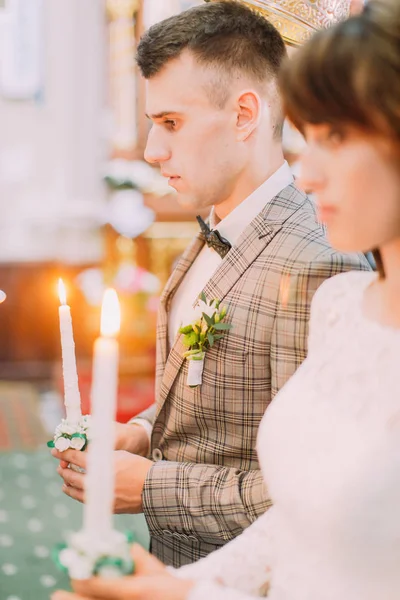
(131, 437)
(130, 475)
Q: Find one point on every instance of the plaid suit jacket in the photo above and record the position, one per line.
(205, 487)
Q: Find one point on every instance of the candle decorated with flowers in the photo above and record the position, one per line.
(99, 488)
(73, 431)
(99, 549)
(72, 398)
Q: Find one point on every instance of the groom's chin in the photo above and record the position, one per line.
(188, 202)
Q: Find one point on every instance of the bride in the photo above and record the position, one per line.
(329, 444)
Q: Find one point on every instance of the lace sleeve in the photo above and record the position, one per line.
(243, 564)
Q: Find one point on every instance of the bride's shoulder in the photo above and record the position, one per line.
(341, 288)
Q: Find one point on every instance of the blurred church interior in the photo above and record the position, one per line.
(77, 202)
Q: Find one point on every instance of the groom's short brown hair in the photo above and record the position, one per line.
(226, 36)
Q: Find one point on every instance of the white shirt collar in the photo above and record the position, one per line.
(236, 222)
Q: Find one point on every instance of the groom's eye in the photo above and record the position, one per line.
(170, 123)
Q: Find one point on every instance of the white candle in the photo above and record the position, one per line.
(99, 489)
(72, 398)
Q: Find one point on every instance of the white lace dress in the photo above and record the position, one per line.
(329, 448)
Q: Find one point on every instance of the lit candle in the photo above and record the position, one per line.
(72, 398)
(99, 488)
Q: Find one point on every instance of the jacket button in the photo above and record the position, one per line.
(157, 454)
(167, 533)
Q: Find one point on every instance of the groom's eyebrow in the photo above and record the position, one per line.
(161, 115)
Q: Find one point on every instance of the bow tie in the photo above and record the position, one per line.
(213, 239)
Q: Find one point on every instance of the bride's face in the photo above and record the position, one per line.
(356, 181)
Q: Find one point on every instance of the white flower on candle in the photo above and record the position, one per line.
(62, 444)
(65, 428)
(77, 564)
(76, 434)
(85, 556)
(77, 443)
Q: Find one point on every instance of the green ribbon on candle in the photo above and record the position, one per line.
(82, 436)
(122, 567)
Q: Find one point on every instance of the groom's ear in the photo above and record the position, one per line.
(249, 107)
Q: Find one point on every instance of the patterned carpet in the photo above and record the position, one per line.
(20, 424)
(34, 514)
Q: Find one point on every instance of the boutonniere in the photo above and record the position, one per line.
(206, 327)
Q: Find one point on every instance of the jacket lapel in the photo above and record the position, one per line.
(249, 246)
(183, 265)
(253, 240)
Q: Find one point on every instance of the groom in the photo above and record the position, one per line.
(216, 133)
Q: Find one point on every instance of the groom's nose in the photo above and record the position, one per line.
(157, 150)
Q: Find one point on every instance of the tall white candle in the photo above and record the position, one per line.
(99, 489)
(72, 398)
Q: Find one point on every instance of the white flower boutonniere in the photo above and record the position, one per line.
(206, 328)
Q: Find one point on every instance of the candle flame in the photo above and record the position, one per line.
(110, 314)
(62, 293)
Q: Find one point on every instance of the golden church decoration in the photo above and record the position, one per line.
(123, 75)
(297, 20)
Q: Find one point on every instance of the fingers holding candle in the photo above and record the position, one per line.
(74, 484)
(74, 457)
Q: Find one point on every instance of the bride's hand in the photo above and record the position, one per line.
(151, 581)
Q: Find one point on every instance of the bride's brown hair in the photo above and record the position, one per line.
(349, 75)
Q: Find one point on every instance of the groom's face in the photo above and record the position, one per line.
(193, 138)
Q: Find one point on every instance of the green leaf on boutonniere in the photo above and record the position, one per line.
(208, 320)
(203, 297)
(186, 329)
(211, 339)
(189, 353)
(190, 339)
(223, 326)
